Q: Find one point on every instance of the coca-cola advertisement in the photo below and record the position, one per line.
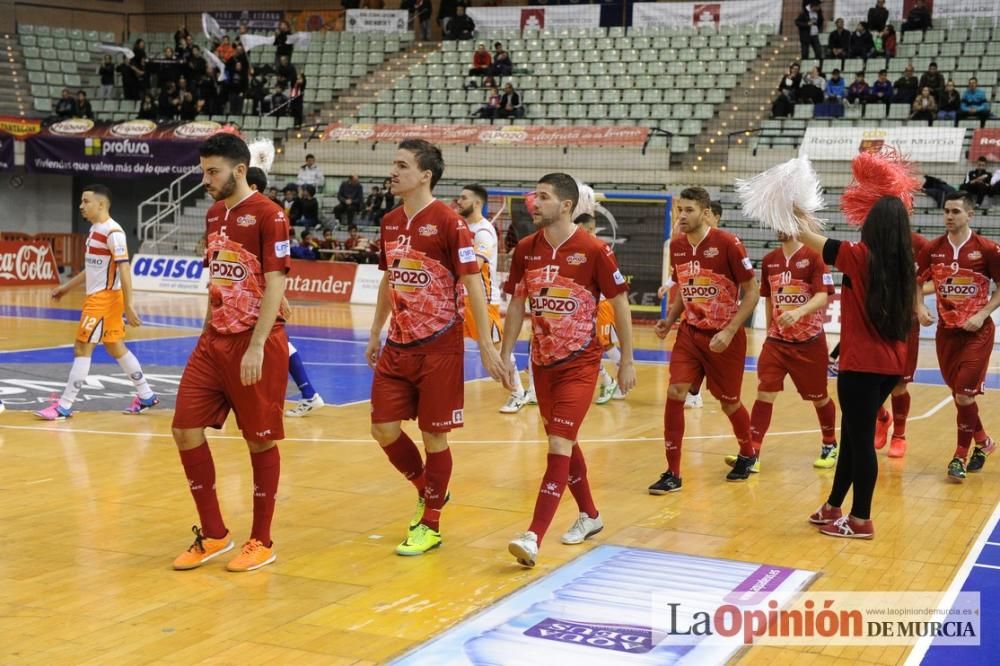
(331, 281)
(6, 151)
(985, 143)
(27, 263)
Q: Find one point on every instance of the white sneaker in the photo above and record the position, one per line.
(693, 401)
(618, 394)
(529, 397)
(606, 392)
(304, 406)
(524, 548)
(513, 405)
(2, 407)
(584, 528)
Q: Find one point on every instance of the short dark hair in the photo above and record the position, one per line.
(564, 186)
(699, 195)
(964, 197)
(933, 64)
(585, 218)
(479, 191)
(352, 227)
(861, 74)
(310, 155)
(226, 145)
(257, 178)
(836, 71)
(311, 189)
(882, 71)
(99, 190)
(716, 209)
(428, 157)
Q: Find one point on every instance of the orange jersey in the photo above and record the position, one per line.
(606, 324)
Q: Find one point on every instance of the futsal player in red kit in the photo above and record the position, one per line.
(962, 264)
(427, 253)
(561, 271)
(711, 267)
(241, 360)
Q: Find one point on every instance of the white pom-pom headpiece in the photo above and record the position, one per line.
(780, 196)
(262, 154)
(585, 202)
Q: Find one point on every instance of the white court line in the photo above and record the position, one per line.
(919, 650)
(986, 566)
(992, 543)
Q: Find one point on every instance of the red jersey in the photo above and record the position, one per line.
(243, 243)
(919, 243)
(862, 347)
(961, 276)
(563, 286)
(709, 275)
(424, 256)
(790, 283)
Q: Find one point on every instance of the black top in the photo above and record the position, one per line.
(877, 18)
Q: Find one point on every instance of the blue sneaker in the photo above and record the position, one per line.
(139, 405)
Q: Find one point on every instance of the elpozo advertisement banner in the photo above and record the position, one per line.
(377, 20)
(6, 151)
(528, 135)
(20, 128)
(985, 143)
(920, 144)
(570, 16)
(707, 14)
(254, 20)
(124, 150)
(27, 263)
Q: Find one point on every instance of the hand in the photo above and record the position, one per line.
(789, 318)
(491, 360)
(661, 329)
(510, 371)
(975, 322)
(131, 318)
(252, 364)
(626, 376)
(924, 315)
(720, 341)
(664, 291)
(373, 350)
(57, 293)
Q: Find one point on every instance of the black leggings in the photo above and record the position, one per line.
(861, 394)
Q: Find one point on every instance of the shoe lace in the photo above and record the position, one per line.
(250, 546)
(843, 525)
(199, 539)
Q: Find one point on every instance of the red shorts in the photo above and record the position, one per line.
(427, 387)
(691, 360)
(965, 357)
(912, 352)
(564, 394)
(806, 362)
(210, 386)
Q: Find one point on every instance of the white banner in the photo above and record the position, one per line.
(713, 15)
(377, 20)
(854, 10)
(920, 144)
(366, 283)
(153, 272)
(570, 16)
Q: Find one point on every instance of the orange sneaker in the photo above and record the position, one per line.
(882, 427)
(253, 555)
(202, 550)
(897, 448)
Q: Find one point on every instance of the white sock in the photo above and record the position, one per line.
(518, 386)
(77, 376)
(291, 348)
(130, 364)
(614, 355)
(605, 377)
(531, 375)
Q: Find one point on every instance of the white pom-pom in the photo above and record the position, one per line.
(783, 197)
(262, 154)
(586, 201)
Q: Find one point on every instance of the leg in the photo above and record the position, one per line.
(394, 399)
(740, 420)
(311, 400)
(401, 451)
(553, 485)
(82, 353)
(145, 397)
(673, 426)
(865, 461)
(760, 418)
(437, 475)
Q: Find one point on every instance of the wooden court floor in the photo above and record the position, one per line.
(94, 509)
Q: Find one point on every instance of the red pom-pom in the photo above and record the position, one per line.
(529, 203)
(230, 129)
(879, 174)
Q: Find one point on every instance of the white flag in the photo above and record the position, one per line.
(111, 48)
(216, 62)
(300, 39)
(211, 27)
(253, 41)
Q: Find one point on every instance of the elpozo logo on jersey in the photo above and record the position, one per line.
(958, 288)
(699, 290)
(554, 302)
(247, 220)
(790, 297)
(576, 259)
(225, 268)
(408, 275)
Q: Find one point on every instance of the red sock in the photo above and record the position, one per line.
(828, 422)
(980, 435)
(673, 434)
(200, 471)
(578, 484)
(549, 493)
(437, 475)
(266, 470)
(405, 456)
(968, 415)
(760, 421)
(900, 411)
(741, 428)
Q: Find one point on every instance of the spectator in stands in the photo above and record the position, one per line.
(290, 202)
(237, 86)
(350, 197)
(196, 65)
(257, 92)
(974, 103)
(977, 181)
(83, 107)
(924, 106)
(919, 18)
(309, 207)
(208, 92)
(240, 56)
(949, 103)
(189, 108)
(933, 79)
(859, 90)
(937, 189)
(297, 94)
(272, 194)
(169, 104)
(277, 103)
(881, 90)
(886, 45)
(374, 203)
(420, 16)
(181, 36)
(147, 108)
(65, 106)
(167, 68)
(482, 61)
(107, 74)
(839, 42)
(461, 27)
(446, 12)
(282, 47)
(362, 247)
(308, 248)
(906, 87)
(286, 71)
(388, 199)
(788, 92)
(131, 73)
(329, 243)
(310, 173)
(225, 50)
(813, 88)
(502, 65)
(878, 16)
(810, 25)
(862, 44)
(139, 49)
(489, 110)
(510, 103)
(836, 87)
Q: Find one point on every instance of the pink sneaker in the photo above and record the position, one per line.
(824, 516)
(845, 528)
(54, 413)
(139, 405)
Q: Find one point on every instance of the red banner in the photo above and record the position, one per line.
(985, 143)
(27, 263)
(331, 281)
(518, 135)
(20, 127)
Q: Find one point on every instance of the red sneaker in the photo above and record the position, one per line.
(824, 516)
(846, 528)
(897, 447)
(882, 429)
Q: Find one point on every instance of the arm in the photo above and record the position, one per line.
(751, 293)
(383, 307)
(817, 302)
(623, 324)
(511, 330)
(487, 352)
(125, 275)
(73, 283)
(812, 240)
(253, 360)
(664, 325)
(976, 321)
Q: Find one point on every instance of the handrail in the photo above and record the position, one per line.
(158, 214)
